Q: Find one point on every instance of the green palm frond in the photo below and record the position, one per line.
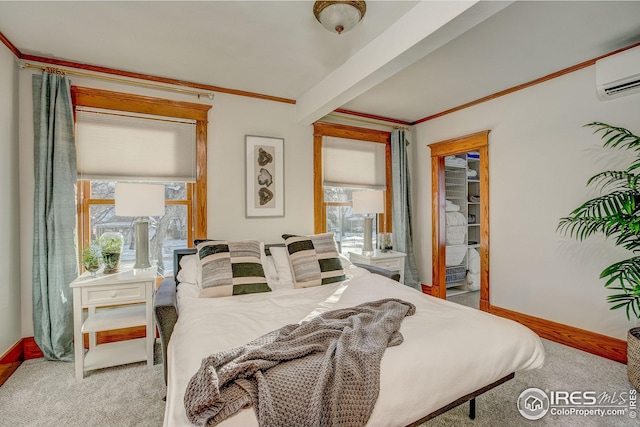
(635, 165)
(580, 227)
(629, 301)
(601, 214)
(615, 180)
(611, 204)
(626, 273)
(615, 214)
(616, 136)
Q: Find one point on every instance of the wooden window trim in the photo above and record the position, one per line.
(197, 192)
(322, 129)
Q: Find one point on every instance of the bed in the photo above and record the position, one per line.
(450, 353)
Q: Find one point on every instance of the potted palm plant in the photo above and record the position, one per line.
(616, 214)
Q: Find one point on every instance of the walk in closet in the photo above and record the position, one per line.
(462, 222)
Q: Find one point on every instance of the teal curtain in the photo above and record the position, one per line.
(401, 207)
(55, 261)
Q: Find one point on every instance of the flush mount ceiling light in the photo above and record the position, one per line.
(339, 16)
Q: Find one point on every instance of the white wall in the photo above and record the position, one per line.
(9, 212)
(230, 119)
(540, 158)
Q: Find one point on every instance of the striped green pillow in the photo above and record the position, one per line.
(314, 259)
(230, 268)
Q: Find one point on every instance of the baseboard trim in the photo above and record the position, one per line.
(14, 354)
(581, 339)
(24, 349)
(31, 349)
(10, 360)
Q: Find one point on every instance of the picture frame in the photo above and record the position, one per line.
(264, 171)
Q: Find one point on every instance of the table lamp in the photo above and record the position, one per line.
(140, 201)
(366, 203)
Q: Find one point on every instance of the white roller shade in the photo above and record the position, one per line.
(126, 146)
(353, 163)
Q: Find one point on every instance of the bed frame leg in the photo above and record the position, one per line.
(472, 408)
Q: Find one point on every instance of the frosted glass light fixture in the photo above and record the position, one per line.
(140, 201)
(366, 203)
(339, 16)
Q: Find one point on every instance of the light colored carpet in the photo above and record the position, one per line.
(565, 369)
(42, 393)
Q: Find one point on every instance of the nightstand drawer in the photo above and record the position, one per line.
(390, 264)
(114, 295)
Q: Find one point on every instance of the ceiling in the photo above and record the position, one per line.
(406, 60)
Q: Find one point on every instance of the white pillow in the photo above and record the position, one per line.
(283, 268)
(353, 272)
(269, 268)
(346, 262)
(187, 290)
(188, 269)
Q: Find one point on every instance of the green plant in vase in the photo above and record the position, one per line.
(91, 259)
(111, 248)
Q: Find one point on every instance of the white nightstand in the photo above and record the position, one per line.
(390, 260)
(113, 301)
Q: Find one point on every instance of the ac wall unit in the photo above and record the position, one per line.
(618, 75)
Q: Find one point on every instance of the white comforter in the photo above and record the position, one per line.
(448, 351)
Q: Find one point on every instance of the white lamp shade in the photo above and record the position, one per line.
(134, 199)
(368, 202)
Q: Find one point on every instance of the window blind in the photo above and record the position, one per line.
(116, 145)
(355, 164)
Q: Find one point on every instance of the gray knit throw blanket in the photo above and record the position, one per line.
(322, 372)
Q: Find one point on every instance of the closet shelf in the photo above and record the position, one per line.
(462, 181)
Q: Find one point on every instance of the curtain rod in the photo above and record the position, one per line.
(54, 70)
(367, 121)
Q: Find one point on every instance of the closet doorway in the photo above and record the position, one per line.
(460, 188)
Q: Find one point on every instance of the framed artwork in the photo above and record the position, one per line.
(264, 167)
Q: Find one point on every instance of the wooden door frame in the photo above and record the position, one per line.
(439, 150)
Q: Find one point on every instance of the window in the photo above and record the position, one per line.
(348, 227)
(185, 198)
(348, 159)
(171, 231)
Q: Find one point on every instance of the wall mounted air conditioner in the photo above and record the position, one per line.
(618, 75)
